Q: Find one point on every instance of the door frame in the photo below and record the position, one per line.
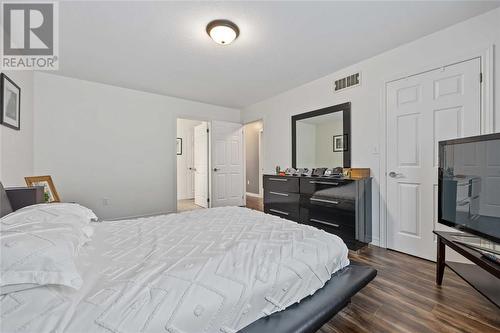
(261, 164)
(261, 154)
(486, 56)
(208, 121)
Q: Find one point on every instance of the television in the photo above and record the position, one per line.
(469, 185)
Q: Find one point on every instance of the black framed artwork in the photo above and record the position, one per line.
(179, 146)
(10, 102)
(340, 143)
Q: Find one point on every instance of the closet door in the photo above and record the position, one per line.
(421, 111)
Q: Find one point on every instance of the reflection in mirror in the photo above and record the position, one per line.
(320, 141)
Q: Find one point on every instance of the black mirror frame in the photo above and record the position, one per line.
(346, 109)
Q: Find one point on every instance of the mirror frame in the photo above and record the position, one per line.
(346, 117)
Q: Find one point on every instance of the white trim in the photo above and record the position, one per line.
(486, 56)
(137, 216)
(261, 161)
(255, 195)
(487, 91)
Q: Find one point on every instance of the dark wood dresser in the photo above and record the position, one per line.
(341, 206)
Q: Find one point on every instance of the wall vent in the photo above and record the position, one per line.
(347, 82)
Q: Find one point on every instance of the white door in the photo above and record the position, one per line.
(227, 164)
(421, 111)
(201, 165)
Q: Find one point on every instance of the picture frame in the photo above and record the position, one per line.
(340, 143)
(10, 103)
(179, 146)
(50, 191)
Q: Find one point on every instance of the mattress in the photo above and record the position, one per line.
(210, 270)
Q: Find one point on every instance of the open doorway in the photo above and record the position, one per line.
(192, 165)
(254, 133)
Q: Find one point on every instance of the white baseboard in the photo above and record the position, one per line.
(255, 195)
(136, 216)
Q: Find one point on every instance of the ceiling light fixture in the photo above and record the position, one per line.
(223, 32)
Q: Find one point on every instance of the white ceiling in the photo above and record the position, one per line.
(162, 47)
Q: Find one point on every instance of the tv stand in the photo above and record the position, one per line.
(484, 276)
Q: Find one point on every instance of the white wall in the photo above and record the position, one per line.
(16, 147)
(306, 146)
(185, 177)
(105, 142)
(325, 156)
(471, 36)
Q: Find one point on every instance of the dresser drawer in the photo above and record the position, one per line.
(328, 224)
(281, 184)
(320, 202)
(272, 197)
(327, 216)
(328, 187)
(286, 211)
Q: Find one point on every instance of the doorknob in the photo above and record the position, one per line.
(215, 169)
(393, 174)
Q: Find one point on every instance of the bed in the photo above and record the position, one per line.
(224, 270)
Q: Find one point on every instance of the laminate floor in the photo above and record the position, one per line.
(405, 298)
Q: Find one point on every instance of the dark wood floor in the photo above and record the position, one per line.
(255, 203)
(404, 298)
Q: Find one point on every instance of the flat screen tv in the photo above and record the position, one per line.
(469, 185)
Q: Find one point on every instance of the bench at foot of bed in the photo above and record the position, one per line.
(314, 311)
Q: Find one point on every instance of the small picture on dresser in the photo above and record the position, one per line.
(10, 100)
(340, 143)
(50, 192)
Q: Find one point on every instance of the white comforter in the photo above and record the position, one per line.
(211, 270)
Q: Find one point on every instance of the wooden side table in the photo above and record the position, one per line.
(483, 275)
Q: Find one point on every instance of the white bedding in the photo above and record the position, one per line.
(210, 270)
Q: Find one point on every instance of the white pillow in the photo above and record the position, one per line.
(38, 248)
(64, 208)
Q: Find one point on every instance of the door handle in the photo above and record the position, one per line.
(323, 183)
(324, 222)
(279, 212)
(325, 201)
(216, 169)
(279, 193)
(394, 174)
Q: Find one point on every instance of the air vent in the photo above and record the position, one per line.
(347, 82)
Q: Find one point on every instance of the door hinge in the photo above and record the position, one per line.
(208, 130)
(208, 199)
(481, 77)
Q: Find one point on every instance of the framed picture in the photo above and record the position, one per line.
(340, 143)
(179, 146)
(10, 101)
(49, 188)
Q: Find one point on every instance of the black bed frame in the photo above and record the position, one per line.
(314, 311)
(304, 317)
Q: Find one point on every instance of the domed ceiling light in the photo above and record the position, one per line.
(223, 32)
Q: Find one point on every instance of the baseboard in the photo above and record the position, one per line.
(255, 195)
(137, 216)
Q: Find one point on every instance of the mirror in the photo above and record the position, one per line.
(321, 138)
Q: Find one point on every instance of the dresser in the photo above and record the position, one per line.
(341, 206)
